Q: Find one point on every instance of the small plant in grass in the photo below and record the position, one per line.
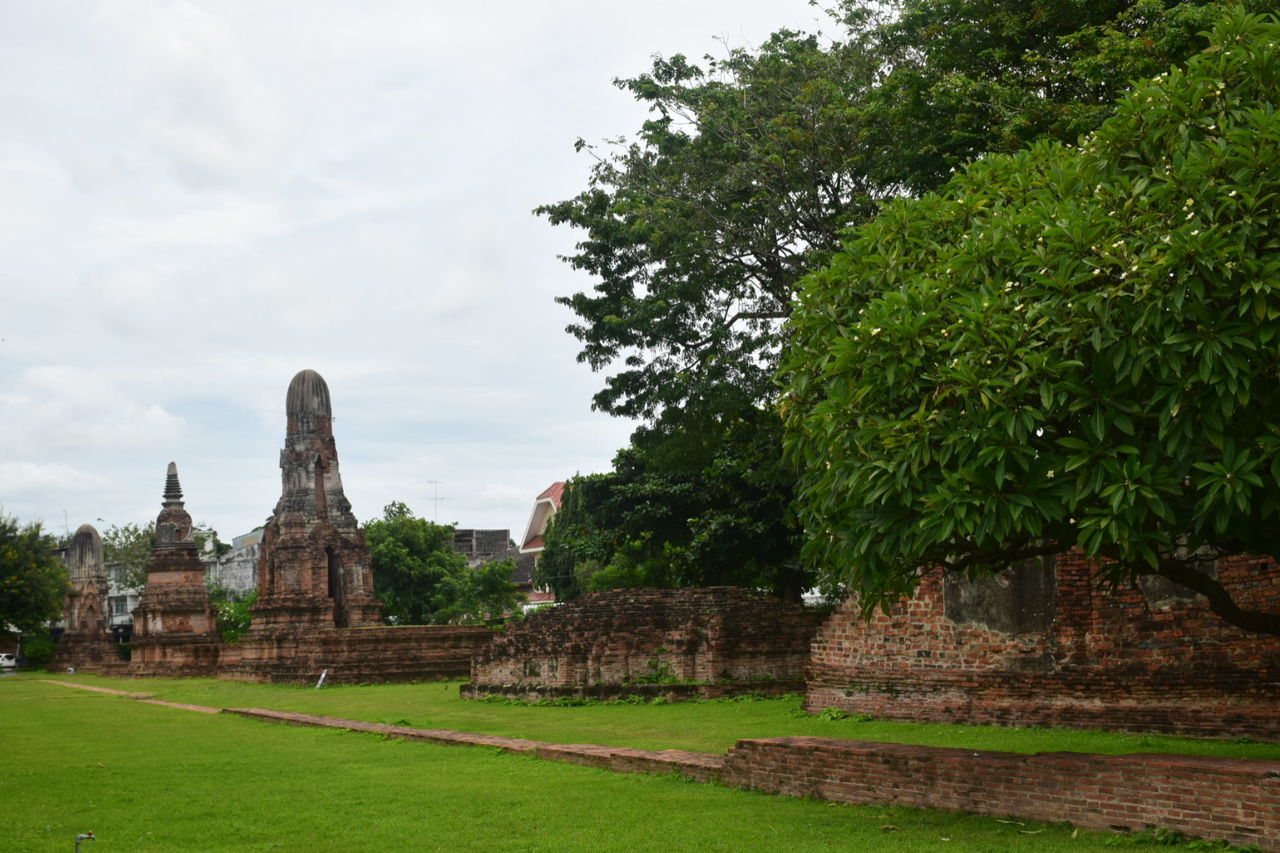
(657, 671)
(1159, 836)
(753, 696)
(830, 715)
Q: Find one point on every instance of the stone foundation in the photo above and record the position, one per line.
(176, 656)
(608, 644)
(1044, 646)
(95, 653)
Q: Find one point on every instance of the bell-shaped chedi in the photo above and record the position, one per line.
(314, 571)
(85, 639)
(174, 627)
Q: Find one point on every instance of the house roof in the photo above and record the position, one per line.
(544, 506)
(555, 491)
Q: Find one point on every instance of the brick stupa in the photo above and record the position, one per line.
(175, 631)
(86, 641)
(314, 571)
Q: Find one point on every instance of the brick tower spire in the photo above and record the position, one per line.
(314, 569)
(175, 631)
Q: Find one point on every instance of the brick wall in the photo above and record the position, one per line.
(1219, 798)
(1023, 651)
(620, 637)
(356, 655)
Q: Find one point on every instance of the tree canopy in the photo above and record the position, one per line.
(422, 580)
(752, 165)
(682, 507)
(129, 546)
(33, 581)
(697, 229)
(1065, 347)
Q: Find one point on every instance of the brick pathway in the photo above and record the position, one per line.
(140, 697)
(700, 766)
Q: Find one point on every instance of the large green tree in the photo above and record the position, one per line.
(681, 507)
(971, 77)
(422, 580)
(128, 548)
(410, 558)
(33, 581)
(483, 594)
(1066, 347)
(697, 230)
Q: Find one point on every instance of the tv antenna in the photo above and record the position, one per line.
(435, 500)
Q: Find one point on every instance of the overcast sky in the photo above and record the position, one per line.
(200, 199)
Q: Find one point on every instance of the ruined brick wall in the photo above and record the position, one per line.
(1045, 646)
(370, 655)
(1220, 798)
(629, 636)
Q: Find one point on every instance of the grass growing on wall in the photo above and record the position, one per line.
(702, 726)
(144, 777)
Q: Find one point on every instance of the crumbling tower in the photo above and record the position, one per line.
(314, 570)
(175, 631)
(85, 639)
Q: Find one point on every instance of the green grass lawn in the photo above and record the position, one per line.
(701, 726)
(145, 777)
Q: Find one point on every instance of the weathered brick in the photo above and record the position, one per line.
(1137, 659)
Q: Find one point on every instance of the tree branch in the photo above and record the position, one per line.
(1220, 601)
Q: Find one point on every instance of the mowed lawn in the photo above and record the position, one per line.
(701, 726)
(146, 777)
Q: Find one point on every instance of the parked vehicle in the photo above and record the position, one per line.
(8, 661)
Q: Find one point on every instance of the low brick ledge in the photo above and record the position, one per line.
(1231, 799)
(700, 766)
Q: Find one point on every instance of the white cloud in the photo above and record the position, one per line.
(199, 199)
(189, 89)
(24, 477)
(76, 409)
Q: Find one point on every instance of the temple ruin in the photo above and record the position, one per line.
(314, 570)
(86, 640)
(317, 611)
(175, 631)
(1043, 644)
(674, 643)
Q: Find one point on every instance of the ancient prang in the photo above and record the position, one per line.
(175, 631)
(85, 640)
(316, 612)
(314, 570)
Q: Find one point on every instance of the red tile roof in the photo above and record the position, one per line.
(555, 491)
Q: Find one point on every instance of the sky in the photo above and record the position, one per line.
(200, 199)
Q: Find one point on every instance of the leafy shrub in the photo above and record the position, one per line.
(231, 610)
(38, 650)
